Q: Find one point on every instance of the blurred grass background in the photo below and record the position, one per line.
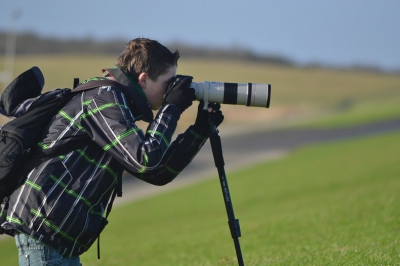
(299, 95)
(328, 204)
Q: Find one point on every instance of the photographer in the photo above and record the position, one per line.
(60, 210)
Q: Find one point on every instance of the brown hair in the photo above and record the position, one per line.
(145, 55)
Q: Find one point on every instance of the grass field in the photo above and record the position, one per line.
(299, 95)
(329, 204)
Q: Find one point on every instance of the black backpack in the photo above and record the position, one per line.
(32, 116)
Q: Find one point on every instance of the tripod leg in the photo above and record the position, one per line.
(234, 226)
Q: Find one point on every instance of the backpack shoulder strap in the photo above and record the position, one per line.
(63, 149)
(76, 83)
(97, 83)
(116, 192)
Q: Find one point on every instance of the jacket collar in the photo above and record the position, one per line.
(135, 93)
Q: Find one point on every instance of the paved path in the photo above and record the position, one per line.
(243, 149)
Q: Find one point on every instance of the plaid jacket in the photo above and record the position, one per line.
(63, 201)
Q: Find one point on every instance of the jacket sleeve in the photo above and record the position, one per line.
(150, 155)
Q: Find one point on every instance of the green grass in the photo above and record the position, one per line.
(329, 204)
(352, 114)
(335, 204)
(345, 96)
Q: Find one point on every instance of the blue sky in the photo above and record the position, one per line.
(340, 33)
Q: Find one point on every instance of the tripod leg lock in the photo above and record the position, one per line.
(235, 228)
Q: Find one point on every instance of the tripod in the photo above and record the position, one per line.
(234, 226)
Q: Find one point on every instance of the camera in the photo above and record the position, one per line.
(249, 94)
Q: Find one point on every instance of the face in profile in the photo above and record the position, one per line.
(155, 89)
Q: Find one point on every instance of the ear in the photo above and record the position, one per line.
(142, 80)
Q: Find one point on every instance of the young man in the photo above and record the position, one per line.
(59, 212)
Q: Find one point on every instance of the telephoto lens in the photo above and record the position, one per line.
(249, 94)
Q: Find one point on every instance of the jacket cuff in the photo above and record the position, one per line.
(197, 139)
(171, 109)
(200, 131)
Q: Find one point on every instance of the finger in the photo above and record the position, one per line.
(214, 106)
(201, 105)
(187, 80)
